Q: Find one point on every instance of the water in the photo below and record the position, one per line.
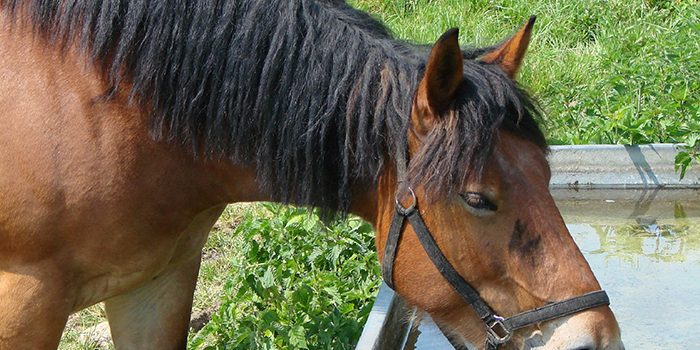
(646, 254)
(427, 336)
(652, 274)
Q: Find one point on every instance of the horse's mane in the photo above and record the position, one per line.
(314, 93)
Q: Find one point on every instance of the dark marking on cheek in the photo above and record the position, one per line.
(518, 235)
(521, 242)
(531, 246)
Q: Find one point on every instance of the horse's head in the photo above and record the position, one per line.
(496, 222)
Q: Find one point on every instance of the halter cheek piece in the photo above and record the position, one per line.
(498, 329)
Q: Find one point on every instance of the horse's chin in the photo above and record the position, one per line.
(567, 333)
(573, 332)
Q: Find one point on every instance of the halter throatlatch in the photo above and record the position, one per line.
(498, 329)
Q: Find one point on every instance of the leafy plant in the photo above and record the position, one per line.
(689, 154)
(296, 284)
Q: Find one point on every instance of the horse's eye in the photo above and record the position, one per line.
(478, 202)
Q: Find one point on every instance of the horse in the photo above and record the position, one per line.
(128, 126)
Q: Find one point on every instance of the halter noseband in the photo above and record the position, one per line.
(498, 329)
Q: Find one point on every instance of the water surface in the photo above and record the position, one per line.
(652, 274)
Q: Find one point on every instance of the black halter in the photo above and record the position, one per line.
(498, 329)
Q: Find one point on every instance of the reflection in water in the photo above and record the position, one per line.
(649, 240)
(651, 271)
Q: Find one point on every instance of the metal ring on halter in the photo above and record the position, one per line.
(497, 331)
(405, 211)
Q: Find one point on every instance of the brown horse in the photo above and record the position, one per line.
(127, 126)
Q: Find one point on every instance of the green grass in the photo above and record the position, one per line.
(625, 72)
(604, 71)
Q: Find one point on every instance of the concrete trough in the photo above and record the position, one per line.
(636, 179)
(618, 167)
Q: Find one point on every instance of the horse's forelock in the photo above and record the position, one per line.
(460, 145)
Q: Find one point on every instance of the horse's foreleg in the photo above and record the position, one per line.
(157, 314)
(34, 307)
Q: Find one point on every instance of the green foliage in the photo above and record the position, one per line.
(296, 283)
(612, 71)
(690, 153)
(640, 83)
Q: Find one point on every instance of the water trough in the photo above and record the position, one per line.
(603, 191)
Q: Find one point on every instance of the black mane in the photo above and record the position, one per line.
(314, 93)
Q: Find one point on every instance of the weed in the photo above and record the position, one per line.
(296, 284)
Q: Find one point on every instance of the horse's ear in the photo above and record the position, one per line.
(441, 80)
(509, 55)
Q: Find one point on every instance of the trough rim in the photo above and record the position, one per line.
(608, 166)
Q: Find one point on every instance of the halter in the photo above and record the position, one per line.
(498, 329)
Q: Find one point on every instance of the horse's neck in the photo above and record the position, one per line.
(373, 202)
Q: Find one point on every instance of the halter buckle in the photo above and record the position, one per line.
(497, 331)
(405, 211)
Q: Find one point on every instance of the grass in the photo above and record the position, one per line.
(604, 72)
